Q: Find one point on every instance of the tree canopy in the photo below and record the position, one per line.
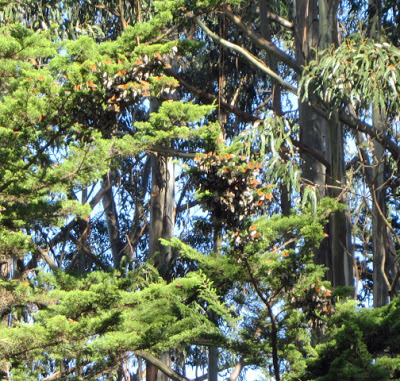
(198, 190)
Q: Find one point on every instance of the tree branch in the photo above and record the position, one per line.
(174, 376)
(280, 20)
(58, 375)
(262, 42)
(67, 228)
(172, 152)
(247, 55)
(353, 122)
(44, 254)
(350, 120)
(237, 370)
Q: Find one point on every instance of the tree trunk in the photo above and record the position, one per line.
(83, 240)
(110, 211)
(213, 352)
(276, 95)
(381, 238)
(162, 224)
(162, 213)
(317, 28)
(339, 225)
(313, 128)
(380, 234)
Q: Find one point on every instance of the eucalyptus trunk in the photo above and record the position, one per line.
(162, 212)
(110, 211)
(162, 224)
(382, 262)
(381, 238)
(339, 225)
(322, 142)
(314, 130)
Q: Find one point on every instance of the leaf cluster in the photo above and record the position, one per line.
(359, 72)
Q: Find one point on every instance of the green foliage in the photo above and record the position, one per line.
(269, 139)
(58, 119)
(359, 72)
(360, 344)
(59, 114)
(175, 120)
(277, 283)
(106, 315)
(71, 111)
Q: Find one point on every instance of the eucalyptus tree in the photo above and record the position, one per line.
(321, 124)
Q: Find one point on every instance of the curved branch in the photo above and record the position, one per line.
(262, 42)
(237, 370)
(246, 55)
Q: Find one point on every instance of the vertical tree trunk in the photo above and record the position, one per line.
(317, 28)
(379, 229)
(82, 242)
(213, 352)
(380, 234)
(162, 224)
(313, 128)
(110, 211)
(162, 213)
(339, 225)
